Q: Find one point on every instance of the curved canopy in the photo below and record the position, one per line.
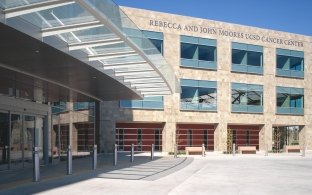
(99, 34)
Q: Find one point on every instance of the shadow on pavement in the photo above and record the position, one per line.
(54, 176)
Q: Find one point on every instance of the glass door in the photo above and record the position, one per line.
(28, 136)
(4, 140)
(16, 141)
(38, 136)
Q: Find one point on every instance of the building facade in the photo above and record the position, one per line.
(58, 60)
(238, 84)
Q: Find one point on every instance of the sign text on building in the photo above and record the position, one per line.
(224, 32)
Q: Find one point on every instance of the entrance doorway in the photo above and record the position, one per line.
(283, 136)
(19, 133)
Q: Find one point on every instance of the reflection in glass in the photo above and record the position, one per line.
(16, 140)
(4, 140)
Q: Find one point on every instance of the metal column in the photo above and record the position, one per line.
(115, 155)
(152, 152)
(132, 153)
(69, 161)
(36, 165)
(6, 148)
(94, 159)
(203, 150)
(233, 150)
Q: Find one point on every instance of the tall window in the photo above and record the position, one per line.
(206, 138)
(198, 95)
(247, 138)
(234, 137)
(198, 52)
(139, 138)
(120, 137)
(189, 137)
(289, 63)
(157, 139)
(289, 100)
(247, 98)
(247, 58)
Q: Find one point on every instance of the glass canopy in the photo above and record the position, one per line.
(109, 40)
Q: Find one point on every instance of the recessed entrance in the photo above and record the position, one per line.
(19, 133)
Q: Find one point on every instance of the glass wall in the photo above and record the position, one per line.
(198, 95)
(19, 134)
(289, 63)
(73, 124)
(289, 100)
(4, 140)
(198, 53)
(247, 98)
(247, 58)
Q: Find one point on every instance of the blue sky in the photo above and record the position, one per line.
(285, 15)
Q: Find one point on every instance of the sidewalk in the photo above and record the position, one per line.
(143, 168)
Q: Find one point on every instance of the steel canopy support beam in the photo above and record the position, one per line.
(111, 26)
(156, 93)
(70, 28)
(143, 65)
(147, 69)
(149, 79)
(96, 43)
(155, 89)
(35, 7)
(162, 84)
(112, 55)
(135, 73)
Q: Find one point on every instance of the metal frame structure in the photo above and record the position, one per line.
(112, 43)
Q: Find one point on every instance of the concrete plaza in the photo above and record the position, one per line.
(213, 174)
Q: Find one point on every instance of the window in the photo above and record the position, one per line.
(155, 102)
(189, 138)
(120, 137)
(289, 63)
(156, 38)
(157, 139)
(58, 107)
(289, 100)
(81, 106)
(198, 53)
(206, 138)
(247, 98)
(139, 134)
(198, 95)
(247, 138)
(234, 137)
(247, 58)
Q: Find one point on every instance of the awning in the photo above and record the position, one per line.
(99, 34)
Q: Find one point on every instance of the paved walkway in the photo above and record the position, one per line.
(213, 174)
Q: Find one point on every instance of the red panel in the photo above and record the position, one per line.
(195, 126)
(131, 136)
(249, 127)
(198, 131)
(140, 125)
(241, 135)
